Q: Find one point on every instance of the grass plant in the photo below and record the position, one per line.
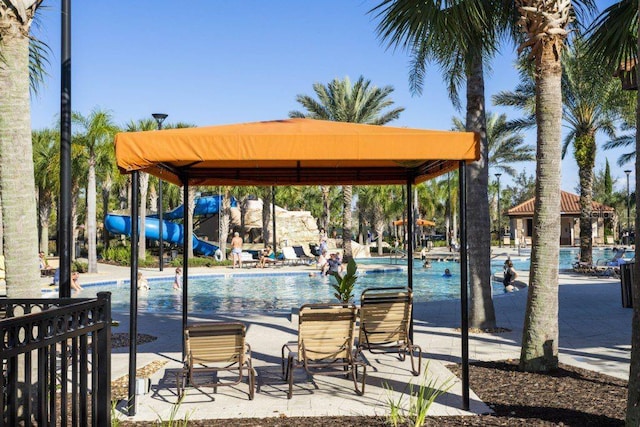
(173, 420)
(421, 397)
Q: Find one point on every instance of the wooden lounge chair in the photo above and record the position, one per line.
(325, 344)
(385, 315)
(212, 348)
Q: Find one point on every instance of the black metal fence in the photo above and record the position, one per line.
(626, 284)
(56, 361)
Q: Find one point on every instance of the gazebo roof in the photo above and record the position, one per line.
(295, 152)
(569, 205)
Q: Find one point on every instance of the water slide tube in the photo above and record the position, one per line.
(171, 232)
(207, 205)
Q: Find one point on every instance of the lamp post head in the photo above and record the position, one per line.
(498, 175)
(628, 171)
(159, 118)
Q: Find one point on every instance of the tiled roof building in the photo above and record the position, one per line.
(521, 220)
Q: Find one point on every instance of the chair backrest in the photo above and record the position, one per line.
(385, 314)
(215, 342)
(326, 331)
(619, 254)
(246, 257)
(289, 253)
(299, 251)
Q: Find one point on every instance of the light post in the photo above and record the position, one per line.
(628, 209)
(159, 119)
(498, 175)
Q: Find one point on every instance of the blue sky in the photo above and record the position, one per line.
(209, 62)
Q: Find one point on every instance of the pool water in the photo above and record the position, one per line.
(273, 292)
(242, 294)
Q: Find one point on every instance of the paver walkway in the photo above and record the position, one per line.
(595, 333)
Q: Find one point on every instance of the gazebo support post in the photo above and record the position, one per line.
(273, 212)
(464, 303)
(133, 307)
(185, 258)
(65, 234)
(410, 247)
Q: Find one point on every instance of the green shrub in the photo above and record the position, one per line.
(199, 262)
(120, 255)
(80, 266)
(345, 284)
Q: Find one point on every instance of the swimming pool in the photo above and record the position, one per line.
(244, 293)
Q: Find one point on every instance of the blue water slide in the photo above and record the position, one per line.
(207, 205)
(171, 232)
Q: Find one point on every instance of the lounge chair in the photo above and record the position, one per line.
(212, 348)
(247, 258)
(302, 256)
(325, 344)
(290, 256)
(385, 316)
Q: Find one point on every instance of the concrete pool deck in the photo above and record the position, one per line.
(595, 334)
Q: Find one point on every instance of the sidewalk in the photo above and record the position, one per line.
(595, 334)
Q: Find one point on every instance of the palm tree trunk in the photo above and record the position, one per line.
(585, 156)
(106, 192)
(16, 166)
(633, 395)
(347, 192)
(540, 335)
(225, 221)
(74, 226)
(482, 313)
(326, 207)
(379, 227)
(91, 218)
(44, 208)
(266, 215)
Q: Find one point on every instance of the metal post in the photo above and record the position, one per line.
(410, 248)
(464, 304)
(159, 119)
(133, 307)
(628, 210)
(498, 175)
(185, 259)
(65, 234)
(273, 219)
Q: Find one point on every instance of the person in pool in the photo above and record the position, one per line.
(447, 273)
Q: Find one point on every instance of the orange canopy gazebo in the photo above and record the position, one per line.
(294, 152)
(421, 222)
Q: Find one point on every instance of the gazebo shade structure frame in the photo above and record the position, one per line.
(297, 152)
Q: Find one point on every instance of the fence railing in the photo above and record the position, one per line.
(56, 361)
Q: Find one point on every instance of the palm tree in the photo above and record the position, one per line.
(614, 40)
(545, 27)
(46, 148)
(459, 36)
(506, 146)
(590, 98)
(343, 102)
(95, 135)
(380, 204)
(19, 218)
